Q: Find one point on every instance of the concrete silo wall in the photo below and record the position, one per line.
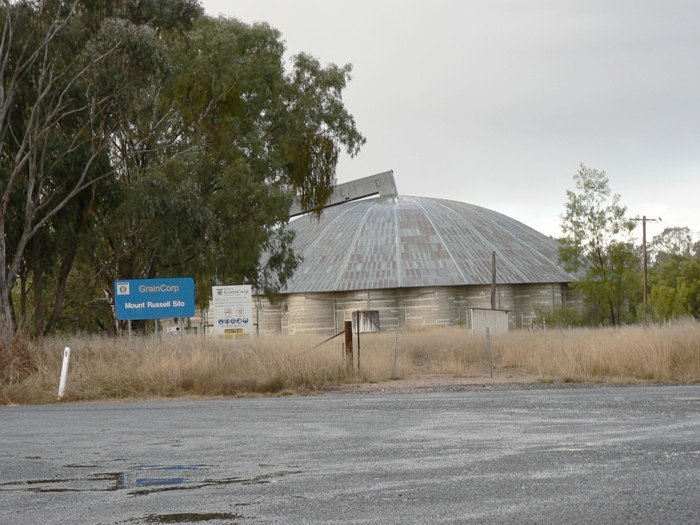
(406, 307)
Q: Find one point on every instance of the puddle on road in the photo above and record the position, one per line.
(159, 482)
(139, 480)
(209, 482)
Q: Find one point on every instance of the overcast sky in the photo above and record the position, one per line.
(496, 103)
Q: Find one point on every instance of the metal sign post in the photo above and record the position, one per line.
(348, 345)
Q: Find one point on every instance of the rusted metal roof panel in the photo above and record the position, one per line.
(397, 242)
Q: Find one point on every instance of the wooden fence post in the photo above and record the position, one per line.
(348, 344)
(358, 339)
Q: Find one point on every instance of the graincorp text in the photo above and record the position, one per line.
(160, 288)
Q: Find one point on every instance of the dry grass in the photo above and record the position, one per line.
(629, 354)
(105, 368)
(17, 363)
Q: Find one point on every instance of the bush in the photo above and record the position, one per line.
(558, 317)
(16, 360)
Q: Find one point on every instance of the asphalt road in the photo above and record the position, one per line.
(581, 455)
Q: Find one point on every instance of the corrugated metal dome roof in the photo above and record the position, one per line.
(397, 242)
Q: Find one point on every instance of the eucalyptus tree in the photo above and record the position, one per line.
(66, 71)
(597, 243)
(675, 275)
(675, 288)
(142, 139)
(209, 172)
(673, 241)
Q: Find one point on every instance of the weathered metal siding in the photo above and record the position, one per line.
(408, 307)
(418, 262)
(308, 314)
(268, 316)
(405, 242)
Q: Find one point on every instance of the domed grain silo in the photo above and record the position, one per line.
(414, 262)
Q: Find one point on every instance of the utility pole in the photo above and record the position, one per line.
(644, 251)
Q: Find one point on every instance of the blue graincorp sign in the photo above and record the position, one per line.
(154, 298)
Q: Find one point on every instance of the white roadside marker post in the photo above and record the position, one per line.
(64, 373)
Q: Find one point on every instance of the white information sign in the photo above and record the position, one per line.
(233, 309)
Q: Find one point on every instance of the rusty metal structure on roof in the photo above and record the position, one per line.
(415, 261)
(381, 184)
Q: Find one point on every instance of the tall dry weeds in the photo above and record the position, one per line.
(17, 363)
(111, 368)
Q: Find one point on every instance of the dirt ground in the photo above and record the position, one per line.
(439, 382)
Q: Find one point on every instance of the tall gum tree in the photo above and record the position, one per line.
(239, 137)
(140, 139)
(675, 274)
(597, 245)
(66, 69)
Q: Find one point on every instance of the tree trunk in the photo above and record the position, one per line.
(81, 219)
(60, 292)
(22, 294)
(38, 283)
(6, 326)
(612, 313)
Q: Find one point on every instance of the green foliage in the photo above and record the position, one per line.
(176, 147)
(675, 288)
(71, 73)
(675, 275)
(236, 138)
(162, 15)
(596, 246)
(559, 316)
(673, 242)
